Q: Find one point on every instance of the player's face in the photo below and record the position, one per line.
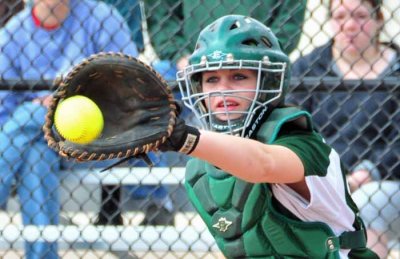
(354, 25)
(231, 91)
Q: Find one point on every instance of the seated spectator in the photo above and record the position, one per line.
(41, 42)
(368, 138)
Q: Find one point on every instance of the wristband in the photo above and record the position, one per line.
(191, 140)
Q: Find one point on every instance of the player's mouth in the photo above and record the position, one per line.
(351, 38)
(227, 105)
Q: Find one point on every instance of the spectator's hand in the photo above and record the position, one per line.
(44, 100)
(358, 178)
(182, 62)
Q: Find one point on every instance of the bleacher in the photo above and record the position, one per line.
(76, 231)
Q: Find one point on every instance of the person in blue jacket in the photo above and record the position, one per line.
(361, 125)
(42, 42)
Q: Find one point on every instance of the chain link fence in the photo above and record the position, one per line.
(54, 206)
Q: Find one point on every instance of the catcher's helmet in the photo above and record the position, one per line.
(236, 42)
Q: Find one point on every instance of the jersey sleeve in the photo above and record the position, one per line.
(310, 148)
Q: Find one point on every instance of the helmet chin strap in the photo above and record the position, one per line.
(250, 132)
(224, 126)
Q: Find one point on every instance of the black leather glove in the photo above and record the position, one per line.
(183, 139)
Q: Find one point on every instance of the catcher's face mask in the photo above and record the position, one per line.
(237, 72)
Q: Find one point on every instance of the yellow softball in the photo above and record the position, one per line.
(78, 119)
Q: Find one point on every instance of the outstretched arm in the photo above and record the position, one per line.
(248, 159)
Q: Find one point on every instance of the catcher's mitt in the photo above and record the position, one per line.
(138, 107)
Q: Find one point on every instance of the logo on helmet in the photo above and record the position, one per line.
(217, 55)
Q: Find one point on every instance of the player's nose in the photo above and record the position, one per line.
(223, 84)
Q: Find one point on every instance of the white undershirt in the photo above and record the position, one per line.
(327, 200)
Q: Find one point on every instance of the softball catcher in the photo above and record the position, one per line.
(265, 183)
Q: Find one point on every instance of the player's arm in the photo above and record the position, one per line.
(248, 159)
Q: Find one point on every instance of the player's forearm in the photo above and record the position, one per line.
(248, 159)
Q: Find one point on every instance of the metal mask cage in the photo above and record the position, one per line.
(269, 88)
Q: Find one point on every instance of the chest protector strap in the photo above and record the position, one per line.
(243, 218)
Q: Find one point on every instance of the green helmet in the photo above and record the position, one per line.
(236, 42)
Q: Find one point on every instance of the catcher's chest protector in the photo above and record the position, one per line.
(242, 218)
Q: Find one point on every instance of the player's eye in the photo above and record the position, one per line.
(361, 16)
(239, 77)
(339, 16)
(211, 79)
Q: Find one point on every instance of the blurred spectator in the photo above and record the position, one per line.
(8, 8)
(174, 26)
(39, 43)
(368, 122)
